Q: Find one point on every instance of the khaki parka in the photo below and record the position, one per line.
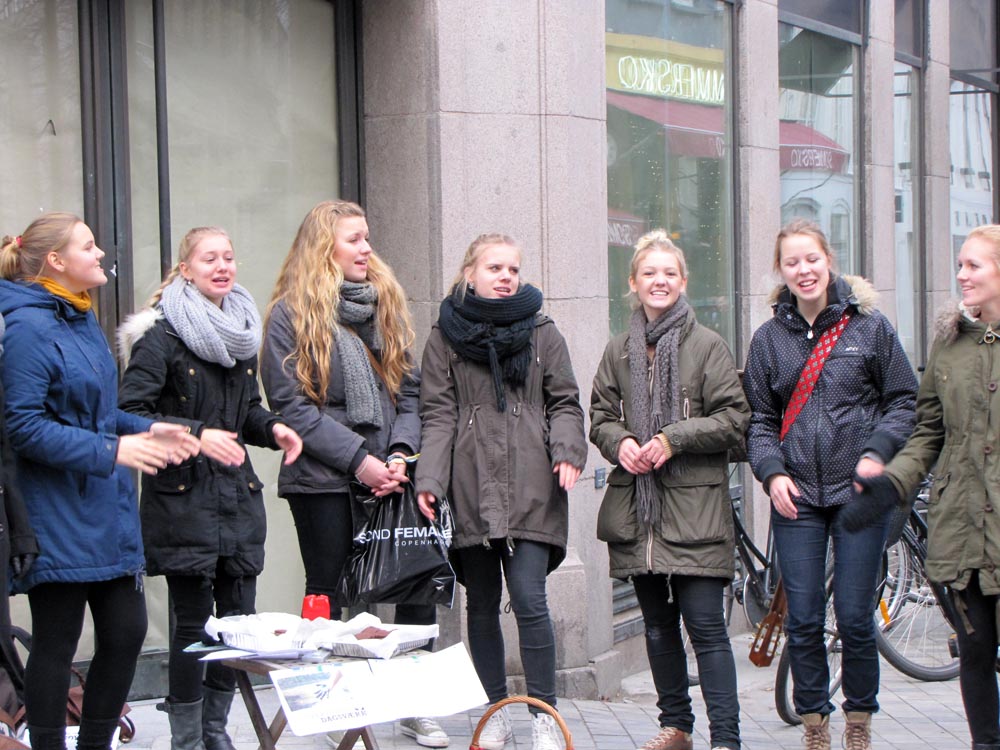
(958, 436)
(694, 535)
(496, 468)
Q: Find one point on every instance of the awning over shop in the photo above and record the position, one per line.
(697, 130)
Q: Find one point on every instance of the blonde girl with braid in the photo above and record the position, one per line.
(336, 364)
(192, 360)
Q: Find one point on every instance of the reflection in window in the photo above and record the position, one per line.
(906, 154)
(971, 134)
(669, 147)
(817, 134)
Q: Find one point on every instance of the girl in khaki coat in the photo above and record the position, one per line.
(958, 409)
(503, 439)
(666, 408)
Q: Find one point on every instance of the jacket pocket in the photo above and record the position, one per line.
(175, 480)
(617, 521)
(696, 514)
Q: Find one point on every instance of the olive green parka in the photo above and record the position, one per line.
(694, 535)
(958, 436)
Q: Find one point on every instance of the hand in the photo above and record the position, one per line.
(288, 440)
(21, 564)
(568, 474)
(631, 458)
(872, 505)
(222, 446)
(867, 468)
(142, 451)
(375, 474)
(654, 453)
(178, 438)
(426, 502)
(398, 470)
(783, 491)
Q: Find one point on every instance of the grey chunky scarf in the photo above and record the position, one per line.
(358, 303)
(216, 334)
(656, 400)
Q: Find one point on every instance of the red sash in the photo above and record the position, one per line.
(810, 373)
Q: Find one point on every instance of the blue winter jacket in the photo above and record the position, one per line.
(63, 419)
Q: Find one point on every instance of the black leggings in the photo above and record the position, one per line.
(119, 611)
(978, 664)
(193, 599)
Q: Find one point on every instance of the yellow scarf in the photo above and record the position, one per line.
(81, 301)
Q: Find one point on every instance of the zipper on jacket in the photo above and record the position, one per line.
(621, 410)
(649, 548)
(473, 415)
(686, 407)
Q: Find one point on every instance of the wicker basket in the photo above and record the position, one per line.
(531, 702)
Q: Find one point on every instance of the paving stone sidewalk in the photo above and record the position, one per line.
(915, 715)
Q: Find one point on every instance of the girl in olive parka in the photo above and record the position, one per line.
(503, 439)
(667, 407)
(958, 410)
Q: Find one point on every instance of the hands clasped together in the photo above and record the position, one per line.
(642, 460)
(166, 443)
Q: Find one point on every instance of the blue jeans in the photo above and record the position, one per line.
(698, 600)
(525, 569)
(802, 548)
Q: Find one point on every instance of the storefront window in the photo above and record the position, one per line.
(252, 137)
(41, 157)
(669, 147)
(905, 179)
(817, 131)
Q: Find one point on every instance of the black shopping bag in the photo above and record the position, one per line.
(398, 556)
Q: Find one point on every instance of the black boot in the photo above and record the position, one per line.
(213, 719)
(185, 724)
(96, 734)
(47, 739)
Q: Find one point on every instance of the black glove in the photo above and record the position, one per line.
(21, 564)
(878, 497)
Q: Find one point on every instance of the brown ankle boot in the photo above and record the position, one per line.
(858, 732)
(669, 738)
(817, 731)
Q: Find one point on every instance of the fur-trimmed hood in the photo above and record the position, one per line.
(134, 328)
(862, 293)
(950, 319)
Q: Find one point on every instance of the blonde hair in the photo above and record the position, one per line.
(657, 239)
(475, 251)
(23, 257)
(184, 252)
(807, 228)
(309, 284)
(990, 233)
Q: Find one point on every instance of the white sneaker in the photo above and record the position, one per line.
(497, 732)
(544, 733)
(335, 738)
(426, 732)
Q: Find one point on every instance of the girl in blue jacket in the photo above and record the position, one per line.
(73, 448)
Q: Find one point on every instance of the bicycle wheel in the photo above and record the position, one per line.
(914, 617)
(783, 683)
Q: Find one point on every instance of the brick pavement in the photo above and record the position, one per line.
(915, 715)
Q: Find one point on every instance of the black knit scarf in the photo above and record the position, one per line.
(494, 332)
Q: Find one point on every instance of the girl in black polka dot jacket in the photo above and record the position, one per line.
(857, 416)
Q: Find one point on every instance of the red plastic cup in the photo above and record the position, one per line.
(315, 605)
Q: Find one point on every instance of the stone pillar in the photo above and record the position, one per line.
(491, 117)
(759, 205)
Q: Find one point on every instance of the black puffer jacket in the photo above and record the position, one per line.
(864, 399)
(199, 511)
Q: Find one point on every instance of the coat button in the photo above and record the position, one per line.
(191, 371)
(988, 449)
(249, 371)
(253, 485)
(184, 398)
(992, 387)
(181, 487)
(988, 508)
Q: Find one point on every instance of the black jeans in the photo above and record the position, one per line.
(664, 600)
(525, 569)
(857, 558)
(977, 663)
(325, 528)
(118, 607)
(193, 599)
